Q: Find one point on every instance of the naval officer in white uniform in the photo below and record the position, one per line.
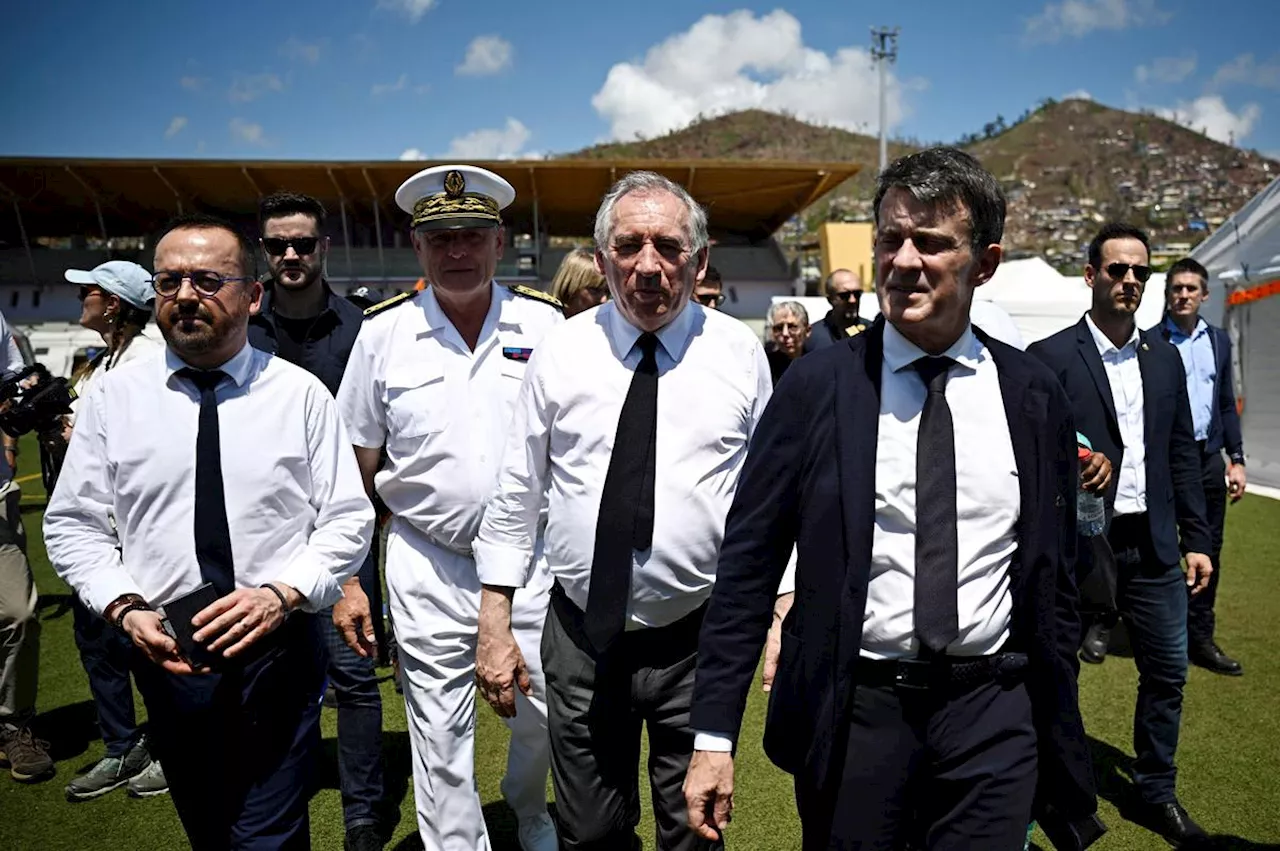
(433, 378)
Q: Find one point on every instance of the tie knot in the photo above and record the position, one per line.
(203, 379)
(648, 343)
(933, 371)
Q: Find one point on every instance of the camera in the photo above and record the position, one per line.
(33, 400)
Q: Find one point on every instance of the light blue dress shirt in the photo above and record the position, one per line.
(1201, 366)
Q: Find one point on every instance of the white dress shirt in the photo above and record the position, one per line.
(147, 344)
(441, 409)
(121, 519)
(713, 383)
(1124, 374)
(987, 501)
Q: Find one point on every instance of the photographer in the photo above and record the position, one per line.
(116, 300)
(26, 757)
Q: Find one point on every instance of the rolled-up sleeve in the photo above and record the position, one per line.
(504, 546)
(79, 534)
(343, 529)
(360, 395)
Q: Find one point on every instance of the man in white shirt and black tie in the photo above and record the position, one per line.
(632, 425)
(926, 689)
(216, 465)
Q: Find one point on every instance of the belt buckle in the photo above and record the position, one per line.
(912, 675)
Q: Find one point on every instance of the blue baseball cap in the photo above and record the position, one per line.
(120, 277)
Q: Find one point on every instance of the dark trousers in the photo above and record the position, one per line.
(355, 684)
(106, 654)
(596, 705)
(928, 771)
(1152, 599)
(239, 747)
(1200, 617)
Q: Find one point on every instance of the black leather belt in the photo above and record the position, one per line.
(942, 675)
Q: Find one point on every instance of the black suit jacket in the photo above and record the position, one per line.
(809, 480)
(1224, 420)
(824, 333)
(1175, 496)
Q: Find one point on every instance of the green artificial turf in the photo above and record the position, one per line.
(1229, 757)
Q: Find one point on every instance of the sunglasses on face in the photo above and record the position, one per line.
(277, 246)
(846, 296)
(1118, 271)
(787, 327)
(709, 299)
(205, 282)
(85, 292)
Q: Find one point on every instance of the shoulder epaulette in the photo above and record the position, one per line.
(539, 295)
(388, 304)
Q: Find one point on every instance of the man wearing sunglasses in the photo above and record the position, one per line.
(709, 292)
(844, 291)
(304, 322)
(1129, 398)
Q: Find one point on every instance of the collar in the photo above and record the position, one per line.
(900, 353)
(1104, 344)
(238, 368)
(500, 313)
(267, 312)
(673, 337)
(1201, 328)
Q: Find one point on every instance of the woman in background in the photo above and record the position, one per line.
(577, 284)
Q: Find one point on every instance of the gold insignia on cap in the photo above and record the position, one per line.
(454, 184)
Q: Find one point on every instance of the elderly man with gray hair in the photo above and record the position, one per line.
(787, 324)
(631, 428)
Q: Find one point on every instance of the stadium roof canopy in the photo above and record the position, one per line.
(63, 197)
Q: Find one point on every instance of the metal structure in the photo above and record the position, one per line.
(884, 50)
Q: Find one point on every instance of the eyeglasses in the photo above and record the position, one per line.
(709, 299)
(1118, 271)
(787, 327)
(847, 295)
(204, 282)
(277, 246)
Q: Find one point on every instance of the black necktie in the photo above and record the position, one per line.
(212, 532)
(626, 504)
(937, 550)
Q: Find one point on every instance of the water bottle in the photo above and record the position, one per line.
(1091, 512)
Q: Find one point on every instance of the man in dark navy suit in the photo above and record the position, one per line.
(1128, 394)
(1206, 358)
(926, 687)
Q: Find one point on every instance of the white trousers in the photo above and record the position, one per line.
(435, 603)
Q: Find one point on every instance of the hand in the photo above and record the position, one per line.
(144, 629)
(708, 792)
(354, 622)
(1199, 569)
(500, 668)
(773, 644)
(1095, 473)
(233, 623)
(1235, 482)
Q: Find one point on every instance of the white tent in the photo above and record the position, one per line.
(1243, 259)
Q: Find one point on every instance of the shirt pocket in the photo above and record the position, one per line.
(512, 376)
(417, 400)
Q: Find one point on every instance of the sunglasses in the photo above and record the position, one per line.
(1118, 271)
(847, 295)
(303, 245)
(786, 327)
(85, 292)
(709, 299)
(205, 282)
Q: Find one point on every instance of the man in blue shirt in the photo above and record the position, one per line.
(1206, 356)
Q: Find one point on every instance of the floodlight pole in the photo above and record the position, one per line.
(884, 50)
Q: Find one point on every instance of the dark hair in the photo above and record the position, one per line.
(712, 278)
(1115, 230)
(280, 204)
(129, 323)
(203, 221)
(1187, 264)
(941, 175)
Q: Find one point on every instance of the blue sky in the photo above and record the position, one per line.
(386, 79)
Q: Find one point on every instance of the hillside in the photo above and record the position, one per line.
(1066, 166)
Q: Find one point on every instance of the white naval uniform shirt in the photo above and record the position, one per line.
(1124, 374)
(442, 410)
(121, 519)
(713, 384)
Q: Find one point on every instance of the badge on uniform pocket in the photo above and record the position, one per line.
(516, 353)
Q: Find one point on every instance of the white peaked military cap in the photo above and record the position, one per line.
(449, 197)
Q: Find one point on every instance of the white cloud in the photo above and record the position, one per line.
(738, 61)
(192, 84)
(504, 143)
(1246, 70)
(1076, 18)
(411, 9)
(1078, 94)
(413, 154)
(1166, 69)
(176, 126)
(247, 132)
(401, 84)
(1211, 116)
(301, 51)
(487, 54)
(248, 87)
